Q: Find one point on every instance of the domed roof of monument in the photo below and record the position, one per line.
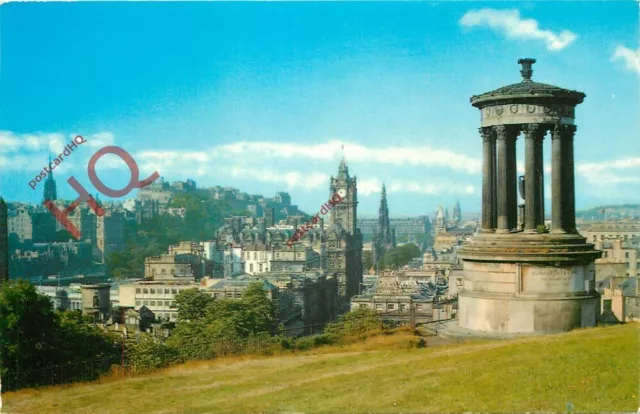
(527, 90)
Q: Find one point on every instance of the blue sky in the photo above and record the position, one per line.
(262, 96)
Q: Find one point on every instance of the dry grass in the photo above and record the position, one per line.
(595, 369)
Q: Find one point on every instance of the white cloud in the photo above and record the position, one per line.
(514, 26)
(430, 188)
(630, 58)
(423, 156)
(606, 173)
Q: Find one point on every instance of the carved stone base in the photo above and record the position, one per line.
(528, 283)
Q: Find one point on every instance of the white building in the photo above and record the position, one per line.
(257, 259)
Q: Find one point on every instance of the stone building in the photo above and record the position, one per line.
(298, 258)
(4, 242)
(314, 295)
(109, 234)
(173, 267)
(30, 223)
(528, 280)
(614, 251)
(96, 302)
(158, 296)
(257, 258)
(399, 301)
(343, 238)
(600, 231)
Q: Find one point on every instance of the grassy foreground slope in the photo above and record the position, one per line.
(594, 369)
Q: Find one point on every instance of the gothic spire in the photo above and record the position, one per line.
(50, 191)
(343, 170)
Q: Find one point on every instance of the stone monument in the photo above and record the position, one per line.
(527, 279)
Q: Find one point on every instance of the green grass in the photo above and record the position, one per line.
(595, 369)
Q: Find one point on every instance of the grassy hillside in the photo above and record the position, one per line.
(595, 369)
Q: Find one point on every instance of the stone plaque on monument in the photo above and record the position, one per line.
(551, 279)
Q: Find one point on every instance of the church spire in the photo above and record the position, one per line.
(50, 191)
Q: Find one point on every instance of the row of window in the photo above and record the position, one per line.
(392, 306)
(158, 291)
(166, 303)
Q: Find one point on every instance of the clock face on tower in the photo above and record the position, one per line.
(342, 192)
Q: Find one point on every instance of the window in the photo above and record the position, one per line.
(229, 294)
(419, 307)
(138, 290)
(378, 306)
(238, 295)
(255, 255)
(606, 304)
(403, 307)
(174, 292)
(626, 255)
(167, 303)
(163, 271)
(153, 291)
(390, 306)
(260, 266)
(166, 291)
(145, 303)
(606, 253)
(363, 305)
(153, 303)
(251, 268)
(627, 268)
(145, 291)
(138, 303)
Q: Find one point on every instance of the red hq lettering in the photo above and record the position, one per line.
(63, 216)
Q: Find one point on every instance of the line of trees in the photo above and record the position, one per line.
(394, 258)
(34, 336)
(42, 346)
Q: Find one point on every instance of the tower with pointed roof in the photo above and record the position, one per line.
(4, 242)
(441, 221)
(384, 239)
(50, 191)
(344, 239)
(457, 212)
(384, 225)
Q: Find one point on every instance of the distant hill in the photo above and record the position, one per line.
(612, 212)
(595, 370)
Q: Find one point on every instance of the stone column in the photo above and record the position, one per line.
(558, 179)
(506, 185)
(533, 156)
(540, 172)
(569, 177)
(488, 179)
(494, 195)
(512, 178)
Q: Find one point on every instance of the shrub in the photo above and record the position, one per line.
(359, 323)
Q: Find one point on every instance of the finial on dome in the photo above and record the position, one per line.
(526, 71)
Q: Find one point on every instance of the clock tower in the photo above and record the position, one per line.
(344, 240)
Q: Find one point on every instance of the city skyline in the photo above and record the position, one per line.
(234, 100)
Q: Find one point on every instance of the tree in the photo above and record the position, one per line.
(34, 337)
(27, 326)
(193, 304)
(400, 256)
(260, 311)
